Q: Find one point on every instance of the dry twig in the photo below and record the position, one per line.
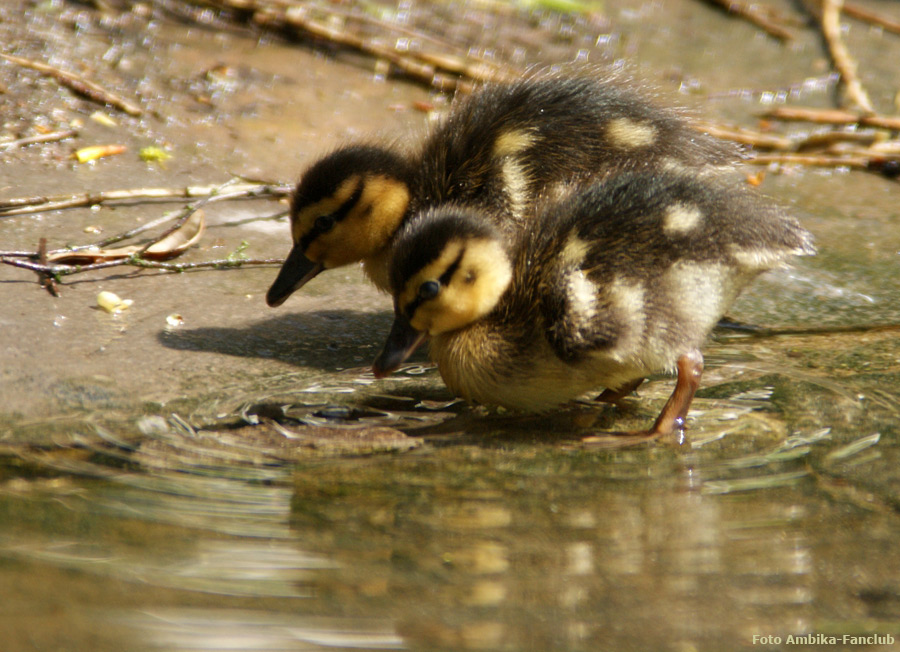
(78, 84)
(887, 24)
(49, 272)
(812, 160)
(745, 136)
(26, 205)
(754, 14)
(47, 281)
(40, 138)
(843, 62)
(834, 117)
(439, 70)
(60, 270)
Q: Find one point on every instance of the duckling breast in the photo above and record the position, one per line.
(486, 366)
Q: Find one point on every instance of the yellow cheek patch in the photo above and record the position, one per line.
(381, 209)
(369, 226)
(366, 228)
(474, 290)
(303, 221)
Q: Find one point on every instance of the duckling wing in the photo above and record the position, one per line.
(577, 318)
(639, 268)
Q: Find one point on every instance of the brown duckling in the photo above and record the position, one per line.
(618, 281)
(499, 151)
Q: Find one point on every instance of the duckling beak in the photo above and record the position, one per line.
(401, 342)
(296, 272)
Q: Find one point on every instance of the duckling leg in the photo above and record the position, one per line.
(674, 412)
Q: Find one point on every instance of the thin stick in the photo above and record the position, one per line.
(753, 14)
(47, 281)
(416, 65)
(27, 205)
(134, 261)
(41, 138)
(123, 236)
(78, 84)
(887, 24)
(746, 136)
(855, 162)
(223, 263)
(836, 140)
(424, 66)
(843, 62)
(833, 116)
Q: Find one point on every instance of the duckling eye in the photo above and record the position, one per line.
(429, 290)
(324, 223)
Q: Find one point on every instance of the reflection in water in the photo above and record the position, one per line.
(554, 558)
(481, 531)
(487, 542)
(228, 629)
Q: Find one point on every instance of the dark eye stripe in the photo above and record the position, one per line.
(444, 280)
(451, 269)
(342, 211)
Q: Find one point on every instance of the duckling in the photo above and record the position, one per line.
(620, 280)
(499, 151)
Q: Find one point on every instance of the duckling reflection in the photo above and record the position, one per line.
(612, 284)
(498, 152)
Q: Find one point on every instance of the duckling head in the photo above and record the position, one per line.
(449, 268)
(345, 208)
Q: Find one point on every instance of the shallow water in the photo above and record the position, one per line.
(243, 482)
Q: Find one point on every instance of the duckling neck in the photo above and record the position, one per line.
(488, 364)
(376, 268)
(472, 361)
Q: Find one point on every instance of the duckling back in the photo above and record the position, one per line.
(509, 147)
(500, 152)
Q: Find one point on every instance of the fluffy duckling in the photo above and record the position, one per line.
(498, 151)
(612, 284)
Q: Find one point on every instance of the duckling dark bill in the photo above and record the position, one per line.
(296, 272)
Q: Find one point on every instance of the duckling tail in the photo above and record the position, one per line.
(401, 342)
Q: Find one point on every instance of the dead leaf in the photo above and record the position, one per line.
(172, 245)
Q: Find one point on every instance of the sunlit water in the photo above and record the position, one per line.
(481, 531)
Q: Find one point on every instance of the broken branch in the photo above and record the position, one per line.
(27, 205)
(753, 14)
(840, 56)
(78, 84)
(855, 162)
(834, 116)
(40, 138)
(871, 17)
